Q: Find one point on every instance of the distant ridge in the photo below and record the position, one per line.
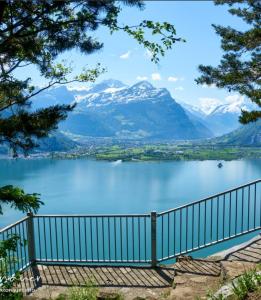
(219, 118)
(246, 135)
(113, 109)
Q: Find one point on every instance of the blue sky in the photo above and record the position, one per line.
(127, 61)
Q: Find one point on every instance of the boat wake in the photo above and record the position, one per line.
(117, 162)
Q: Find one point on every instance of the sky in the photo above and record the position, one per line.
(129, 62)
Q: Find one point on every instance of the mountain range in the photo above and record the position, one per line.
(112, 109)
(220, 118)
(140, 112)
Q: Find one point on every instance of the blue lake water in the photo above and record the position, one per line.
(95, 187)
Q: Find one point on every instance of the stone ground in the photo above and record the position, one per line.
(186, 279)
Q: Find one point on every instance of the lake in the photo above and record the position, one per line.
(85, 186)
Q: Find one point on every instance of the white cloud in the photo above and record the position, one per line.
(173, 79)
(235, 98)
(179, 88)
(155, 76)
(148, 54)
(78, 88)
(232, 103)
(209, 104)
(125, 55)
(210, 86)
(142, 78)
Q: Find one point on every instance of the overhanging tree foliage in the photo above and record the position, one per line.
(34, 33)
(240, 67)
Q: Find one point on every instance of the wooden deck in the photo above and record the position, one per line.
(186, 273)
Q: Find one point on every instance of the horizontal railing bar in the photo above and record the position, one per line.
(208, 198)
(93, 216)
(43, 261)
(13, 225)
(208, 244)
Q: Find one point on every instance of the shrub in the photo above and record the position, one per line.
(88, 292)
(246, 283)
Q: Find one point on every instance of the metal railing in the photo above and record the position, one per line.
(95, 239)
(209, 221)
(16, 260)
(141, 238)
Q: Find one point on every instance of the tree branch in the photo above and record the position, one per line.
(2, 8)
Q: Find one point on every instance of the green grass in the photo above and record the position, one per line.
(165, 152)
(247, 283)
(177, 153)
(88, 292)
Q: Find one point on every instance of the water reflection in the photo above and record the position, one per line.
(86, 186)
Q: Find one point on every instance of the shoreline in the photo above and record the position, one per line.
(163, 153)
(150, 152)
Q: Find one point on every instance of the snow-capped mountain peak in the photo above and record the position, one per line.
(115, 92)
(113, 89)
(143, 85)
(220, 116)
(233, 107)
(112, 109)
(107, 84)
(211, 106)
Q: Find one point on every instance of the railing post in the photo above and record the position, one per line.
(153, 217)
(30, 238)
